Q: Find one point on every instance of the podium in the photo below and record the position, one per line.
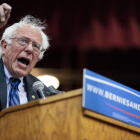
(59, 117)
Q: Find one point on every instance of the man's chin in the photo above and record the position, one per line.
(20, 74)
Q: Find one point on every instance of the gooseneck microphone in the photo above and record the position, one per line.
(38, 87)
(53, 90)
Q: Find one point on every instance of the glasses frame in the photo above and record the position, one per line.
(42, 50)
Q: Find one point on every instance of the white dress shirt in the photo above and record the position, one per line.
(21, 92)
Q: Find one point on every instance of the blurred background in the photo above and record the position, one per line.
(100, 35)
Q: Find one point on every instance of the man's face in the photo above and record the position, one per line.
(20, 60)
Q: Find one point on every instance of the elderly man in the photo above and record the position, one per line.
(22, 45)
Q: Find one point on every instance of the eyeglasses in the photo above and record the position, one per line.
(25, 42)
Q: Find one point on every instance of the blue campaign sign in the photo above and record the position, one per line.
(110, 98)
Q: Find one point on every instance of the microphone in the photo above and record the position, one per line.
(53, 91)
(38, 87)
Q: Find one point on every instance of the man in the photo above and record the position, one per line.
(22, 45)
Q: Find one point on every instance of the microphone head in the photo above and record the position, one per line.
(38, 85)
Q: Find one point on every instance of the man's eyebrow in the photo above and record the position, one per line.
(29, 39)
(25, 37)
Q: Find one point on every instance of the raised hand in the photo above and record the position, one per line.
(5, 11)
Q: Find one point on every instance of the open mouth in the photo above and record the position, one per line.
(23, 61)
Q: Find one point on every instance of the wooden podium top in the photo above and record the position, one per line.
(49, 99)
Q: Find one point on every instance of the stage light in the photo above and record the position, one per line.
(49, 80)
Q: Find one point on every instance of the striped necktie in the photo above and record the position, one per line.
(13, 93)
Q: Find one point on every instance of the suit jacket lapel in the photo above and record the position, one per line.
(3, 87)
(31, 94)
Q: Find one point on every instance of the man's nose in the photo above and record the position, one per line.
(29, 47)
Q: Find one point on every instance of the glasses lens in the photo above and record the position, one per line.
(36, 46)
(22, 41)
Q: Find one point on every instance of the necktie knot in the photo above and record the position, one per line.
(14, 82)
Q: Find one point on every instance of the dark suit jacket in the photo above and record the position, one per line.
(29, 80)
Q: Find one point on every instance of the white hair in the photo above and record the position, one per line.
(27, 20)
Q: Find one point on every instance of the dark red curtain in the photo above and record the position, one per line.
(95, 25)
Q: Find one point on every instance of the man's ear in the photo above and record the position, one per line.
(3, 46)
(38, 59)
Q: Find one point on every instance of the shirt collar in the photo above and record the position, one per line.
(8, 75)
